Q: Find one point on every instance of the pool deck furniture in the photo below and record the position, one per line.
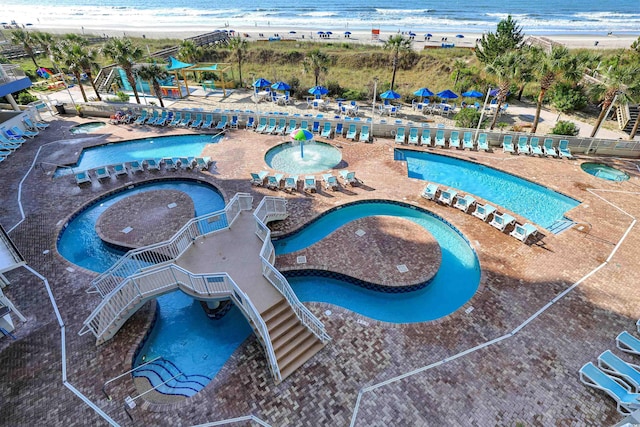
(330, 182)
(454, 139)
(440, 140)
(262, 125)
(202, 163)
(169, 163)
(152, 164)
(274, 181)
(484, 211)
(222, 124)
(208, 122)
(349, 177)
(271, 128)
(364, 134)
(483, 143)
(548, 148)
(617, 389)
(400, 136)
(82, 177)
(614, 366)
(523, 145)
(326, 130)
(464, 203)
(141, 118)
(563, 149)
(430, 191)
(186, 162)
(258, 178)
(507, 144)
(135, 166)
(120, 169)
(425, 138)
(35, 125)
(102, 173)
(16, 132)
(197, 122)
(628, 343)
(467, 141)
(351, 133)
(291, 183)
(447, 196)
(185, 120)
(5, 139)
(502, 221)
(414, 137)
(177, 118)
(310, 183)
(534, 146)
(523, 232)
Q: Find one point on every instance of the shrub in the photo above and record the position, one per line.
(568, 98)
(25, 97)
(467, 118)
(564, 127)
(356, 95)
(335, 89)
(123, 97)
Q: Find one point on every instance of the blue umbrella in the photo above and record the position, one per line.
(447, 94)
(347, 33)
(423, 91)
(320, 32)
(390, 95)
(428, 35)
(472, 94)
(280, 86)
(261, 82)
(495, 92)
(460, 36)
(318, 90)
(329, 32)
(292, 32)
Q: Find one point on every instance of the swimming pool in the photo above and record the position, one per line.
(86, 127)
(535, 202)
(306, 157)
(603, 171)
(140, 149)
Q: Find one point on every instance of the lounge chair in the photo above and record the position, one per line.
(274, 181)
(170, 163)
(82, 177)
(330, 182)
(425, 138)
(507, 144)
(34, 125)
(141, 118)
(501, 221)
(316, 127)
(484, 211)
(339, 130)
(628, 343)
(618, 390)
(177, 118)
(185, 120)
(467, 141)
(251, 122)
(262, 125)
(310, 183)
(202, 163)
(185, 162)
(400, 136)
(258, 178)
(164, 117)
(364, 134)
(454, 139)
(613, 365)
(548, 148)
(197, 122)
(464, 203)
(293, 124)
(326, 130)
(222, 124)
(152, 120)
(120, 169)
(234, 123)
(272, 126)
(414, 138)
(16, 132)
(351, 133)
(304, 124)
(483, 143)
(135, 166)
(523, 145)
(534, 146)
(208, 121)
(291, 183)
(281, 127)
(447, 196)
(153, 164)
(102, 172)
(523, 232)
(563, 149)
(430, 191)
(349, 177)
(9, 140)
(440, 140)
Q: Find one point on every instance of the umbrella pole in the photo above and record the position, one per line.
(301, 150)
(475, 137)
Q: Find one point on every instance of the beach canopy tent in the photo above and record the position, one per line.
(472, 94)
(176, 66)
(447, 94)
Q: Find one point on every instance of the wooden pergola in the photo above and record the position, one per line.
(176, 66)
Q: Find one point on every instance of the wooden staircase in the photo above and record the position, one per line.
(633, 116)
(293, 343)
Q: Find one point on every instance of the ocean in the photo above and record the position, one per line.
(477, 16)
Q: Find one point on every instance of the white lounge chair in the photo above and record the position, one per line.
(548, 148)
(467, 141)
(153, 164)
(82, 177)
(202, 163)
(258, 178)
(483, 144)
(310, 183)
(464, 203)
(628, 343)
(330, 182)
(501, 221)
(120, 169)
(291, 183)
(102, 173)
(414, 137)
(613, 365)
(364, 134)
(618, 390)
(135, 166)
(430, 191)
(563, 149)
(169, 163)
(523, 232)
(440, 140)
(349, 177)
(186, 162)
(484, 211)
(507, 144)
(454, 139)
(523, 145)
(274, 181)
(534, 145)
(400, 136)
(447, 196)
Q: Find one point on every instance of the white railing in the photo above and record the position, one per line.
(159, 253)
(269, 209)
(115, 309)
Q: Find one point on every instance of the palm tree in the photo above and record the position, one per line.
(549, 66)
(189, 52)
(238, 46)
(316, 62)
(504, 68)
(396, 44)
(71, 55)
(123, 52)
(24, 38)
(45, 40)
(89, 63)
(154, 73)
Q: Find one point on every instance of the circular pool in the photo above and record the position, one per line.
(303, 157)
(87, 127)
(603, 171)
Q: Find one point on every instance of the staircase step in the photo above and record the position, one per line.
(275, 311)
(292, 340)
(284, 330)
(286, 316)
(289, 368)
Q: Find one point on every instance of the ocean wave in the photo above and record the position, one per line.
(402, 11)
(319, 14)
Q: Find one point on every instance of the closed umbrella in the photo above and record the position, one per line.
(472, 94)
(447, 94)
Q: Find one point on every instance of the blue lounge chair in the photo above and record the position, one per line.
(523, 145)
(507, 144)
(501, 221)
(440, 141)
(152, 119)
(293, 124)
(351, 133)
(310, 183)
(618, 390)
(272, 126)
(339, 129)
(281, 127)
(197, 122)
(467, 141)
(185, 120)
(534, 146)
(523, 232)
(34, 125)
(613, 365)
(262, 125)
(208, 121)
(102, 173)
(120, 169)
(400, 135)
(222, 124)
(304, 124)
(234, 122)
(425, 138)
(169, 163)
(484, 211)
(628, 343)
(563, 149)
(141, 118)
(186, 162)
(274, 181)
(82, 177)
(454, 139)
(430, 191)
(16, 132)
(258, 178)
(414, 138)
(330, 182)
(316, 127)
(251, 122)
(364, 134)
(548, 148)
(447, 196)
(135, 166)
(164, 117)
(291, 183)
(483, 143)
(349, 177)
(326, 130)
(202, 163)
(464, 203)
(152, 164)
(177, 118)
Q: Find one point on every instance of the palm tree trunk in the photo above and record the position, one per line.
(395, 68)
(635, 127)
(33, 58)
(605, 107)
(158, 91)
(132, 82)
(84, 95)
(240, 71)
(536, 119)
(495, 116)
(520, 91)
(93, 85)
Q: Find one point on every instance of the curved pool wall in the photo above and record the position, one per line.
(535, 202)
(602, 171)
(455, 283)
(140, 149)
(86, 127)
(302, 158)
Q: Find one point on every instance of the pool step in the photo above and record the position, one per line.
(162, 371)
(561, 225)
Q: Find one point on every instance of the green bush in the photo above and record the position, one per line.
(356, 95)
(335, 90)
(568, 98)
(467, 118)
(564, 127)
(123, 97)
(25, 97)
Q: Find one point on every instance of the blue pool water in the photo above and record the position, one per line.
(535, 202)
(454, 284)
(140, 149)
(308, 157)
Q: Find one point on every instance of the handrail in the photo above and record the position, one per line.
(159, 253)
(104, 386)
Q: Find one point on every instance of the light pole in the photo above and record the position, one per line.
(486, 99)
(373, 104)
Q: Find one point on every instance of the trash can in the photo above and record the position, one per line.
(60, 108)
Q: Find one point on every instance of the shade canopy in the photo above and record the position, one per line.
(175, 64)
(447, 94)
(301, 135)
(318, 90)
(261, 83)
(423, 91)
(472, 94)
(280, 86)
(390, 95)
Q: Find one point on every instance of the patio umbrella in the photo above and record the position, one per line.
(423, 92)
(348, 33)
(390, 95)
(292, 32)
(447, 94)
(460, 36)
(428, 35)
(329, 32)
(320, 32)
(261, 83)
(472, 94)
(301, 135)
(495, 92)
(318, 90)
(280, 86)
